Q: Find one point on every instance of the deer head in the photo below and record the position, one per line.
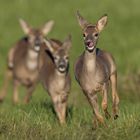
(36, 36)
(91, 31)
(60, 53)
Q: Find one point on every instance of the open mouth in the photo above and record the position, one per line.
(90, 46)
(62, 69)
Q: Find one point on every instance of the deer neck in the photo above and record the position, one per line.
(89, 61)
(58, 79)
(32, 59)
(58, 75)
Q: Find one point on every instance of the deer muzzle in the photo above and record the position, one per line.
(90, 45)
(62, 67)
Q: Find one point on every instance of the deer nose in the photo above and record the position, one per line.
(88, 43)
(37, 43)
(62, 66)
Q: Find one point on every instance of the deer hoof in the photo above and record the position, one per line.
(116, 116)
(107, 115)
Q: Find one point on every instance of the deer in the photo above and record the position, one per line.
(95, 70)
(54, 74)
(23, 61)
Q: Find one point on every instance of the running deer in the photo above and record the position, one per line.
(55, 76)
(95, 69)
(23, 60)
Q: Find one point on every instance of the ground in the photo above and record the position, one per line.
(121, 38)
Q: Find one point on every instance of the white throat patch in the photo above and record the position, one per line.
(90, 62)
(32, 59)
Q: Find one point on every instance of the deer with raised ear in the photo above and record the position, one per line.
(95, 69)
(54, 74)
(23, 60)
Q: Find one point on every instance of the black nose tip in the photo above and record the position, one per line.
(37, 42)
(88, 43)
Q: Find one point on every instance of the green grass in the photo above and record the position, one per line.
(121, 37)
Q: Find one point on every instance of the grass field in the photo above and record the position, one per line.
(37, 121)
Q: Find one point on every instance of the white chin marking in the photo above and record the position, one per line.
(37, 48)
(62, 69)
(90, 48)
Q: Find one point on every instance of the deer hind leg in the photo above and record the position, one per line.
(104, 100)
(15, 94)
(30, 90)
(8, 76)
(92, 97)
(60, 105)
(115, 96)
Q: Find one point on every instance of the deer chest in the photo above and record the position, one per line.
(57, 85)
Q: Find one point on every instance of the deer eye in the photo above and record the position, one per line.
(96, 35)
(84, 35)
(66, 57)
(56, 58)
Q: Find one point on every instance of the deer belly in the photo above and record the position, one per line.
(26, 77)
(92, 86)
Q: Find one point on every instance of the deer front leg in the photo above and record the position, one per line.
(104, 100)
(92, 98)
(15, 94)
(30, 90)
(60, 105)
(11, 57)
(115, 96)
(8, 76)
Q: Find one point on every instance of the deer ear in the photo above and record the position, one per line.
(67, 43)
(25, 27)
(49, 45)
(82, 22)
(47, 27)
(102, 23)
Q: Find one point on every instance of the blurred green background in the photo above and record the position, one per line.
(120, 37)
